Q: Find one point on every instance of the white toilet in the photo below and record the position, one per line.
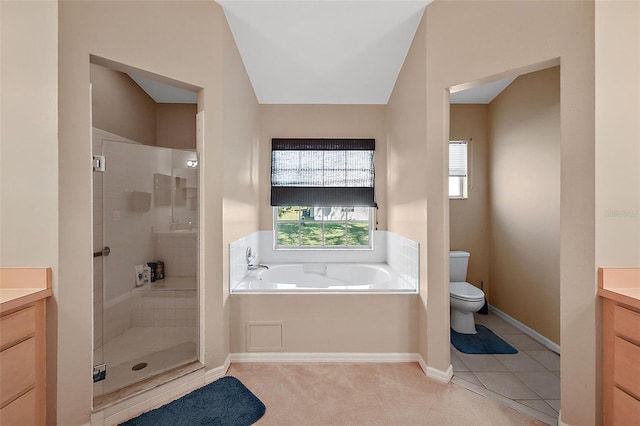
(464, 298)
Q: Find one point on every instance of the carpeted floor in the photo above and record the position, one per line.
(366, 394)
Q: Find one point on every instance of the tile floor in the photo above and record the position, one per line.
(528, 381)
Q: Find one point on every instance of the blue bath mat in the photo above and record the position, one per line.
(225, 402)
(483, 342)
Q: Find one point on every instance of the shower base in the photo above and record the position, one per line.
(160, 348)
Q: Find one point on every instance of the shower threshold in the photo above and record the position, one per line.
(106, 400)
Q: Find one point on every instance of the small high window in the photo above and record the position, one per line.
(458, 169)
(322, 191)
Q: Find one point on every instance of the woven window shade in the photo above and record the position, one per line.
(322, 172)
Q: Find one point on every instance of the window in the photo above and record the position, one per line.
(322, 191)
(322, 226)
(458, 169)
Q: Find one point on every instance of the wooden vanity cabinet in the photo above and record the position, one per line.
(621, 355)
(22, 353)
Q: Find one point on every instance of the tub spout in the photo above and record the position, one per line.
(255, 267)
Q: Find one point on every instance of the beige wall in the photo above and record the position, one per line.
(617, 134)
(29, 124)
(500, 39)
(525, 201)
(240, 119)
(113, 30)
(176, 125)
(121, 107)
(29, 148)
(407, 173)
(321, 121)
(469, 218)
(330, 323)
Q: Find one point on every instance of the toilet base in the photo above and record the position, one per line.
(463, 322)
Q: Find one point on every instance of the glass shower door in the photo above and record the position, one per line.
(147, 326)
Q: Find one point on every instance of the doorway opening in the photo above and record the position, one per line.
(509, 222)
(145, 234)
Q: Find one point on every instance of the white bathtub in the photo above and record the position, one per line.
(324, 278)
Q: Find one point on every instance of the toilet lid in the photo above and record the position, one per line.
(465, 291)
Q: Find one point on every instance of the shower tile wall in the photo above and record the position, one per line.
(164, 308)
(178, 251)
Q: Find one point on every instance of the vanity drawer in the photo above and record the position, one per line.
(17, 326)
(21, 412)
(626, 371)
(17, 369)
(626, 323)
(626, 409)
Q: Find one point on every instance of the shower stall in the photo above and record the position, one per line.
(145, 214)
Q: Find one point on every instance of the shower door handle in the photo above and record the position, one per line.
(104, 252)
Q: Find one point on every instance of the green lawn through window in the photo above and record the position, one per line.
(296, 226)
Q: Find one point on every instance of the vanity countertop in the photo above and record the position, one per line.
(21, 286)
(620, 284)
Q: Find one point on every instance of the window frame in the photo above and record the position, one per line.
(323, 221)
(463, 180)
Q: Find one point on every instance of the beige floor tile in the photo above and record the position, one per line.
(469, 377)
(482, 362)
(522, 342)
(506, 384)
(496, 324)
(550, 360)
(457, 363)
(540, 405)
(520, 362)
(545, 384)
(555, 403)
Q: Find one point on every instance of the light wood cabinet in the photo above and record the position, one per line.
(621, 348)
(22, 349)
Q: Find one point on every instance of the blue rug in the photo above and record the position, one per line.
(224, 402)
(484, 342)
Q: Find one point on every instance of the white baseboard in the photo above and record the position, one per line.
(338, 357)
(526, 330)
(434, 373)
(560, 422)
(439, 375)
(302, 357)
(218, 372)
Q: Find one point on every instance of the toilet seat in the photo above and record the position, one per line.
(465, 291)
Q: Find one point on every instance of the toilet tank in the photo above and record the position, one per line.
(458, 262)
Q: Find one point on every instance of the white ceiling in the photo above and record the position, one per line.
(483, 94)
(163, 93)
(323, 51)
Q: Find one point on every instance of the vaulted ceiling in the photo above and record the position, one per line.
(323, 51)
